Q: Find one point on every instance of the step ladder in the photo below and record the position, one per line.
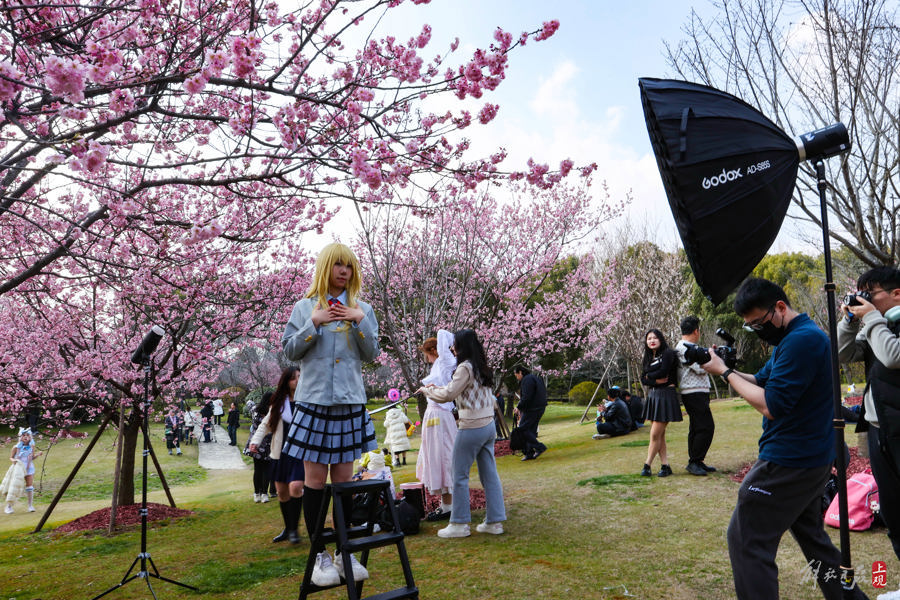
(358, 539)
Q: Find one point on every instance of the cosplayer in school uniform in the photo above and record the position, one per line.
(287, 472)
(433, 465)
(331, 332)
(20, 476)
(471, 389)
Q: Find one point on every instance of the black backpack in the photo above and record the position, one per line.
(516, 439)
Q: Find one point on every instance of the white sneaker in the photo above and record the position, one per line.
(324, 574)
(8, 510)
(360, 573)
(455, 530)
(600, 436)
(256, 497)
(31, 508)
(494, 528)
(263, 498)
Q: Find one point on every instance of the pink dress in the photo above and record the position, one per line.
(438, 425)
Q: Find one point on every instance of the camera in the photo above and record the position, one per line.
(851, 299)
(700, 355)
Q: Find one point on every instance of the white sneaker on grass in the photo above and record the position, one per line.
(8, 510)
(360, 573)
(31, 508)
(263, 498)
(256, 498)
(494, 528)
(324, 574)
(455, 530)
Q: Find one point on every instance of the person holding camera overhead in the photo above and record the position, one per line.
(783, 489)
(870, 333)
(694, 382)
(659, 374)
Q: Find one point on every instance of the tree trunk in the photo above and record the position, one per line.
(129, 448)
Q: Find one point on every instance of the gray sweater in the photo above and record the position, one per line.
(871, 331)
(692, 378)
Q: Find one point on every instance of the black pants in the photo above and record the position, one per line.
(610, 429)
(886, 476)
(260, 475)
(528, 423)
(702, 427)
(773, 500)
(232, 435)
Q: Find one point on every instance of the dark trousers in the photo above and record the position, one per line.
(232, 434)
(260, 475)
(886, 476)
(702, 427)
(609, 429)
(528, 423)
(772, 500)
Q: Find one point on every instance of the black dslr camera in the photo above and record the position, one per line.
(700, 355)
(851, 299)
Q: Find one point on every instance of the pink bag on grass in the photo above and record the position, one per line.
(862, 503)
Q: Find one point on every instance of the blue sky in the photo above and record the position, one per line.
(576, 94)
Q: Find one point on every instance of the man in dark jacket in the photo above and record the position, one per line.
(615, 419)
(532, 403)
(635, 406)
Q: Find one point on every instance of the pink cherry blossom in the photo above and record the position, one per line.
(65, 77)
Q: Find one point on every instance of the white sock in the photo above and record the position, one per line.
(446, 507)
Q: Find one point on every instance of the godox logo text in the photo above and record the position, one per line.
(722, 178)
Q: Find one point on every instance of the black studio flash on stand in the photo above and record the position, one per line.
(148, 345)
(729, 175)
(143, 355)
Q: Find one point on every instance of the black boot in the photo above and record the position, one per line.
(296, 505)
(312, 502)
(286, 517)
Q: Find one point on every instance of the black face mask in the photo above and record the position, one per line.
(771, 334)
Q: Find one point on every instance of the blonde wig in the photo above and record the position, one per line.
(331, 255)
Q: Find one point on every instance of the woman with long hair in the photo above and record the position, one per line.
(470, 387)
(287, 471)
(659, 374)
(331, 332)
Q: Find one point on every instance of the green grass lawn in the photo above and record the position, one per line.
(582, 524)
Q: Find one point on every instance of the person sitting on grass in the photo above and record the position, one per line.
(615, 419)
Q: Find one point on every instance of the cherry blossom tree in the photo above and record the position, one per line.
(160, 162)
(480, 262)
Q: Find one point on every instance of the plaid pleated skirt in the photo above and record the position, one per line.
(330, 435)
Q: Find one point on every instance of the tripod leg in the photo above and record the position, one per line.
(155, 573)
(125, 579)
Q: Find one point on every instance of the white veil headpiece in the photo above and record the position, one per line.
(442, 370)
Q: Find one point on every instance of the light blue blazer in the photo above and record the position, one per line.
(330, 359)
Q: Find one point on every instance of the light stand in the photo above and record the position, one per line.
(847, 574)
(143, 356)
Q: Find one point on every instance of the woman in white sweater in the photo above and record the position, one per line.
(470, 387)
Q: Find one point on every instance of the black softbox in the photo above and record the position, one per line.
(728, 172)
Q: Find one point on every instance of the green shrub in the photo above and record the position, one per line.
(584, 391)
